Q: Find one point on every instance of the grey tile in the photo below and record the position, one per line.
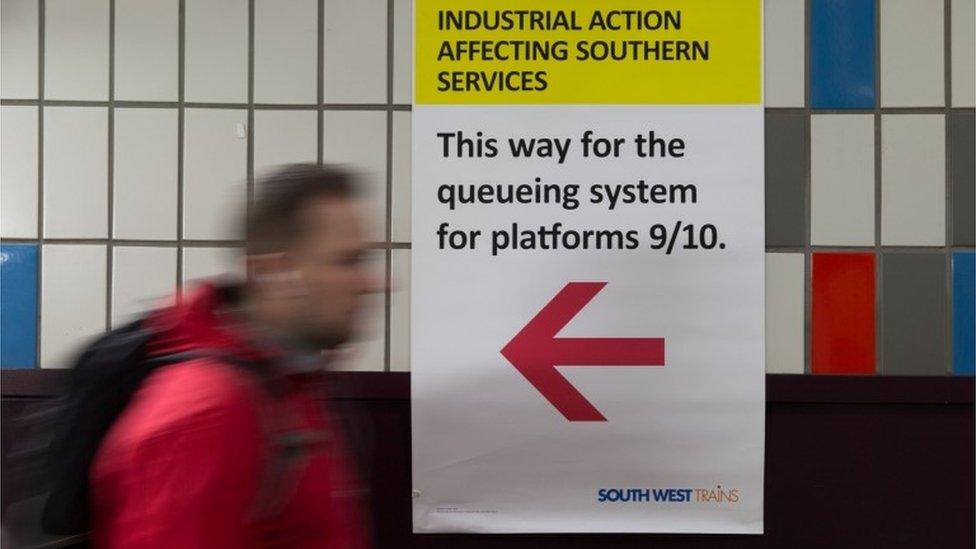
(786, 169)
(914, 314)
(962, 176)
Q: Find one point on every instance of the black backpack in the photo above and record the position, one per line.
(60, 441)
(57, 446)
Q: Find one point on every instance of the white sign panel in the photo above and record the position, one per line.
(587, 282)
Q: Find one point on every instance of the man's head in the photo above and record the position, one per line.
(305, 253)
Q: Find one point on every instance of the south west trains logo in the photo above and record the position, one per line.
(718, 494)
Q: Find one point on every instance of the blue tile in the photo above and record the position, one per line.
(18, 306)
(963, 305)
(842, 54)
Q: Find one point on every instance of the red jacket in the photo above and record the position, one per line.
(190, 462)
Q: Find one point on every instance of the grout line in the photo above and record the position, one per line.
(807, 193)
(851, 249)
(134, 104)
(250, 107)
(947, 123)
(110, 207)
(180, 123)
(41, 7)
(320, 85)
(186, 243)
(878, 257)
(387, 297)
(404, 107)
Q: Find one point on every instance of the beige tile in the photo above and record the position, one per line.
(357, 139)
(784, 313)
(75, 172)
(401, 177)
(912, 47)
(400, 312)
(73, 300)
(285, 51)
(146, 50)
(913, 180)
(144, 187)
(207, 263)
(76, 49)
(214, 173)
(842, 180)
(963, 17)
(18, 49)
(143, 278)
(18, 172)
(783, 45)
(403, 51)
(284, 137)
(216, 50)
(355, 51)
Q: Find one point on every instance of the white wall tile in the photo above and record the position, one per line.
(145, 177)
(913, 180)
(18, 48)
(355, 51)
(367, 350)
(285, 51)
(75, 172)
(216, 50)
(284, 137)
(784, 314)
(400, 311)
(18, 172)
(963, 17)
(146, 49)
(204, 263)
(401, 177)
(214, 173)
(73, 300)
(76, 49)
(842, 180)
(912, 48)
(358, 138)
(783, 45)
(143, 278)
(402, 51)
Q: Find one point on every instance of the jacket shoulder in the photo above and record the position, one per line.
(178, 396)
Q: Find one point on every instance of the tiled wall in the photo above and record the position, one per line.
(132, 131)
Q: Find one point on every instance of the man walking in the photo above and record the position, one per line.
(231, 445)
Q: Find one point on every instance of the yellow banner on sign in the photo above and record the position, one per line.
(588, 52)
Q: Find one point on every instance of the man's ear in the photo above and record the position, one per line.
(275, 275)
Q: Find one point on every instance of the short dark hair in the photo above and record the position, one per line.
(273, 220)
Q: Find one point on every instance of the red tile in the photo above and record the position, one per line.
(843, 313)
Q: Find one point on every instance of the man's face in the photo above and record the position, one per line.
(329, 259)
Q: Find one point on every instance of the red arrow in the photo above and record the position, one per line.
(536, 351)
